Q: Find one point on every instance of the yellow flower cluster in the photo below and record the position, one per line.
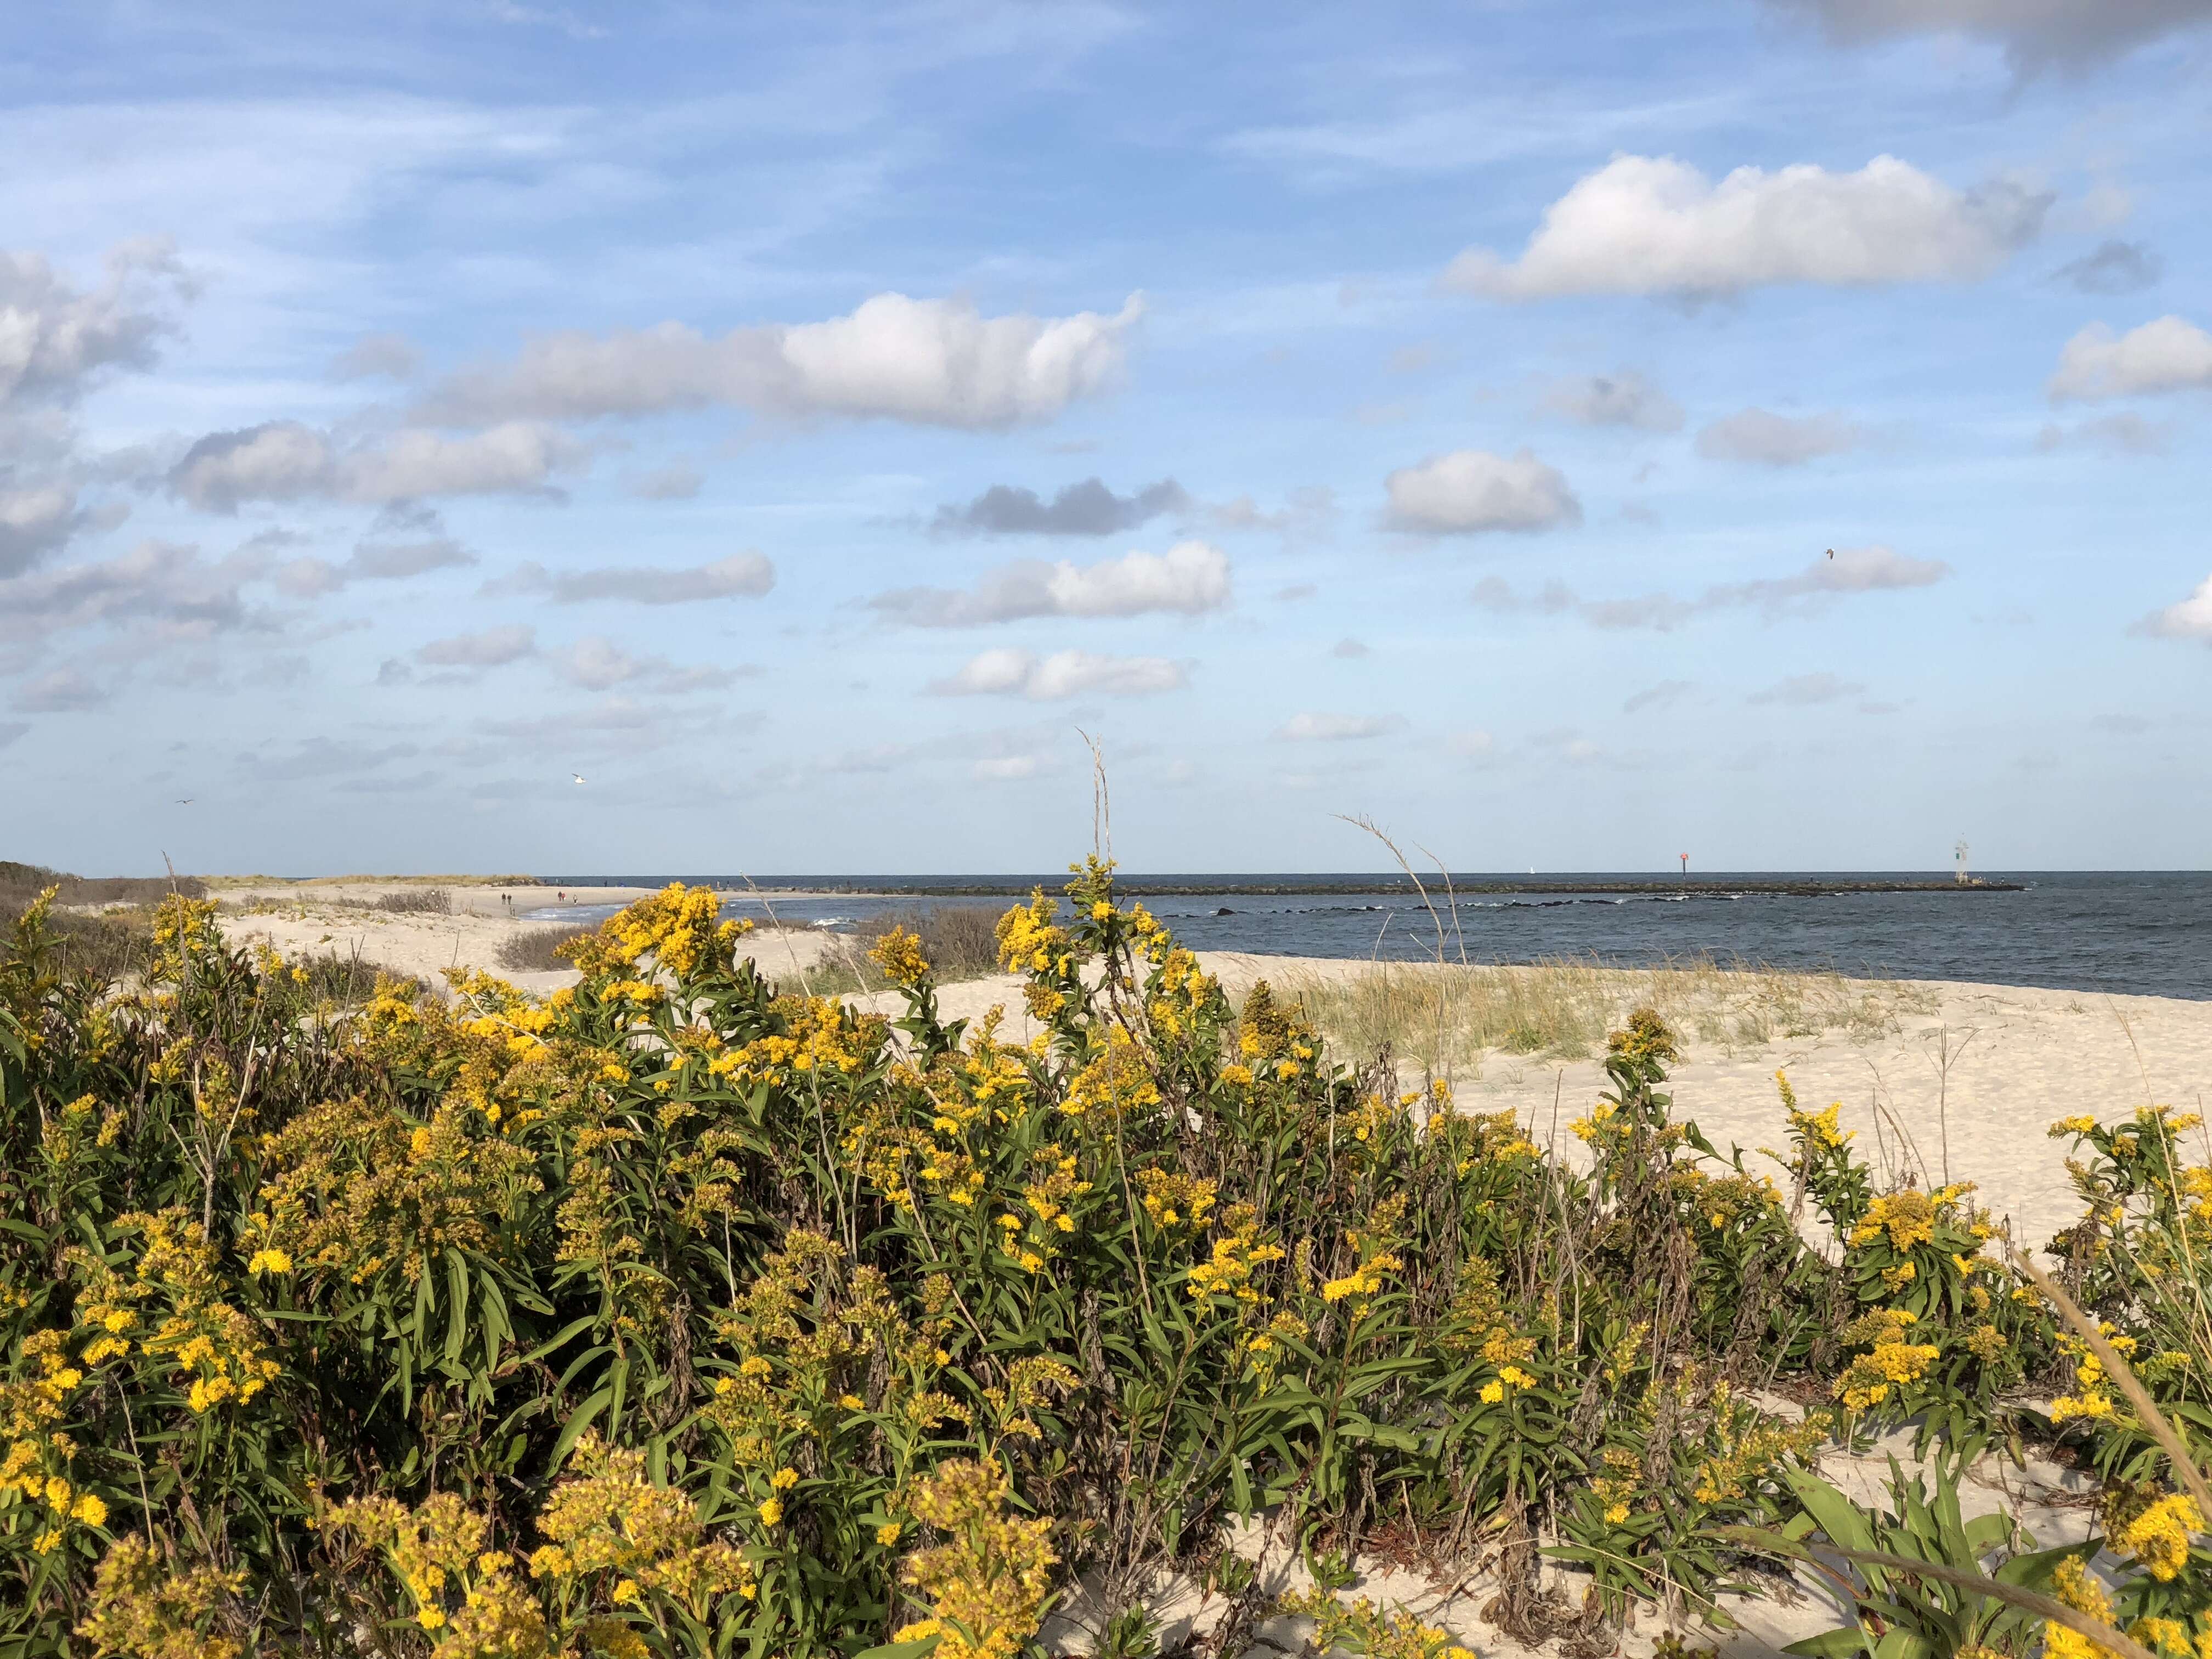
(2093, 1400)
(676, 927)
(146, 1604)
(1890, 1361)
(899, 954)
(609, 1523)
(1376, 1263)
(1908, 1217)
(1116, 1083)
(822, 1039)
(989, 1582)
(1360, 1627)
(1030, 942)
(2073, 1584)
(2158, 1536)
(1175, 1200)
(1236, 1253)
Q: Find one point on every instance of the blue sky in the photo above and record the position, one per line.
(806, 423)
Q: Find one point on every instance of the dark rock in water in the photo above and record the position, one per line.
(1224, 911)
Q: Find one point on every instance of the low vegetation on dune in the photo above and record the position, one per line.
(1444, 1017)
(542, 948)
(683, 1314)
(959, 940)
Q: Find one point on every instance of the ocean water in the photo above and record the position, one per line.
(2141, 932)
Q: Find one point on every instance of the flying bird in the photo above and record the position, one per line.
(1832, 552)
(579, 776)
(186, 802)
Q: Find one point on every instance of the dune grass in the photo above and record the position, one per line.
(960, 941)
(535, 949)
(1445, 1019)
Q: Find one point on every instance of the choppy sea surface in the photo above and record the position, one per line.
(2141, 932)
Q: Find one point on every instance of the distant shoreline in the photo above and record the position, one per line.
(1436, 887)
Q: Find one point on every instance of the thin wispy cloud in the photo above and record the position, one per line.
(1850, 571)
(1190, 578)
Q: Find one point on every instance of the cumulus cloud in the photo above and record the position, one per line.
(2190, 619)
(1759, 436)
(56, 339)
(2167, 354)
(389, 557)
(286, 461)
(936, 362)
(2035, 33)
(597, 664)
(1336, 728)
(33, 523)
(1011, 672)
(1653, 225)
(392, 356)
(1088, 508)
(1189, 578)
(1623, 399)
(1470, 491)
(2111, 267)
(64, 691)
(166, 586)
(493, 648)
(1804, 691)
(740, 576)
(1852, 570)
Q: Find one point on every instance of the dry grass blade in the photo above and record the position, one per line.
(2177, 1451)
(2030, 1600)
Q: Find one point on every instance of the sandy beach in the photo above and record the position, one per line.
(2018, 1058)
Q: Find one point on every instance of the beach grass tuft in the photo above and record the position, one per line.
(1445, 1018)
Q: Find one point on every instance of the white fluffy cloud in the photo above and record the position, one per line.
(1770, 439)
(160, 584)
(936, 362)
(56, 336)
(2167, 354)
(2191, 619)
(1470, 491)
(739, 576)
(1189, 578)
(2033, 32)
(1645, 224)
(286, 461)
(1623, 399)
(1007, 672)
(1336, 728)
(388, 558)
(33, 523)
(597, 664)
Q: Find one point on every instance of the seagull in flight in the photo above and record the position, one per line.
(188, 801)
(1832, 552)
(579, 776)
